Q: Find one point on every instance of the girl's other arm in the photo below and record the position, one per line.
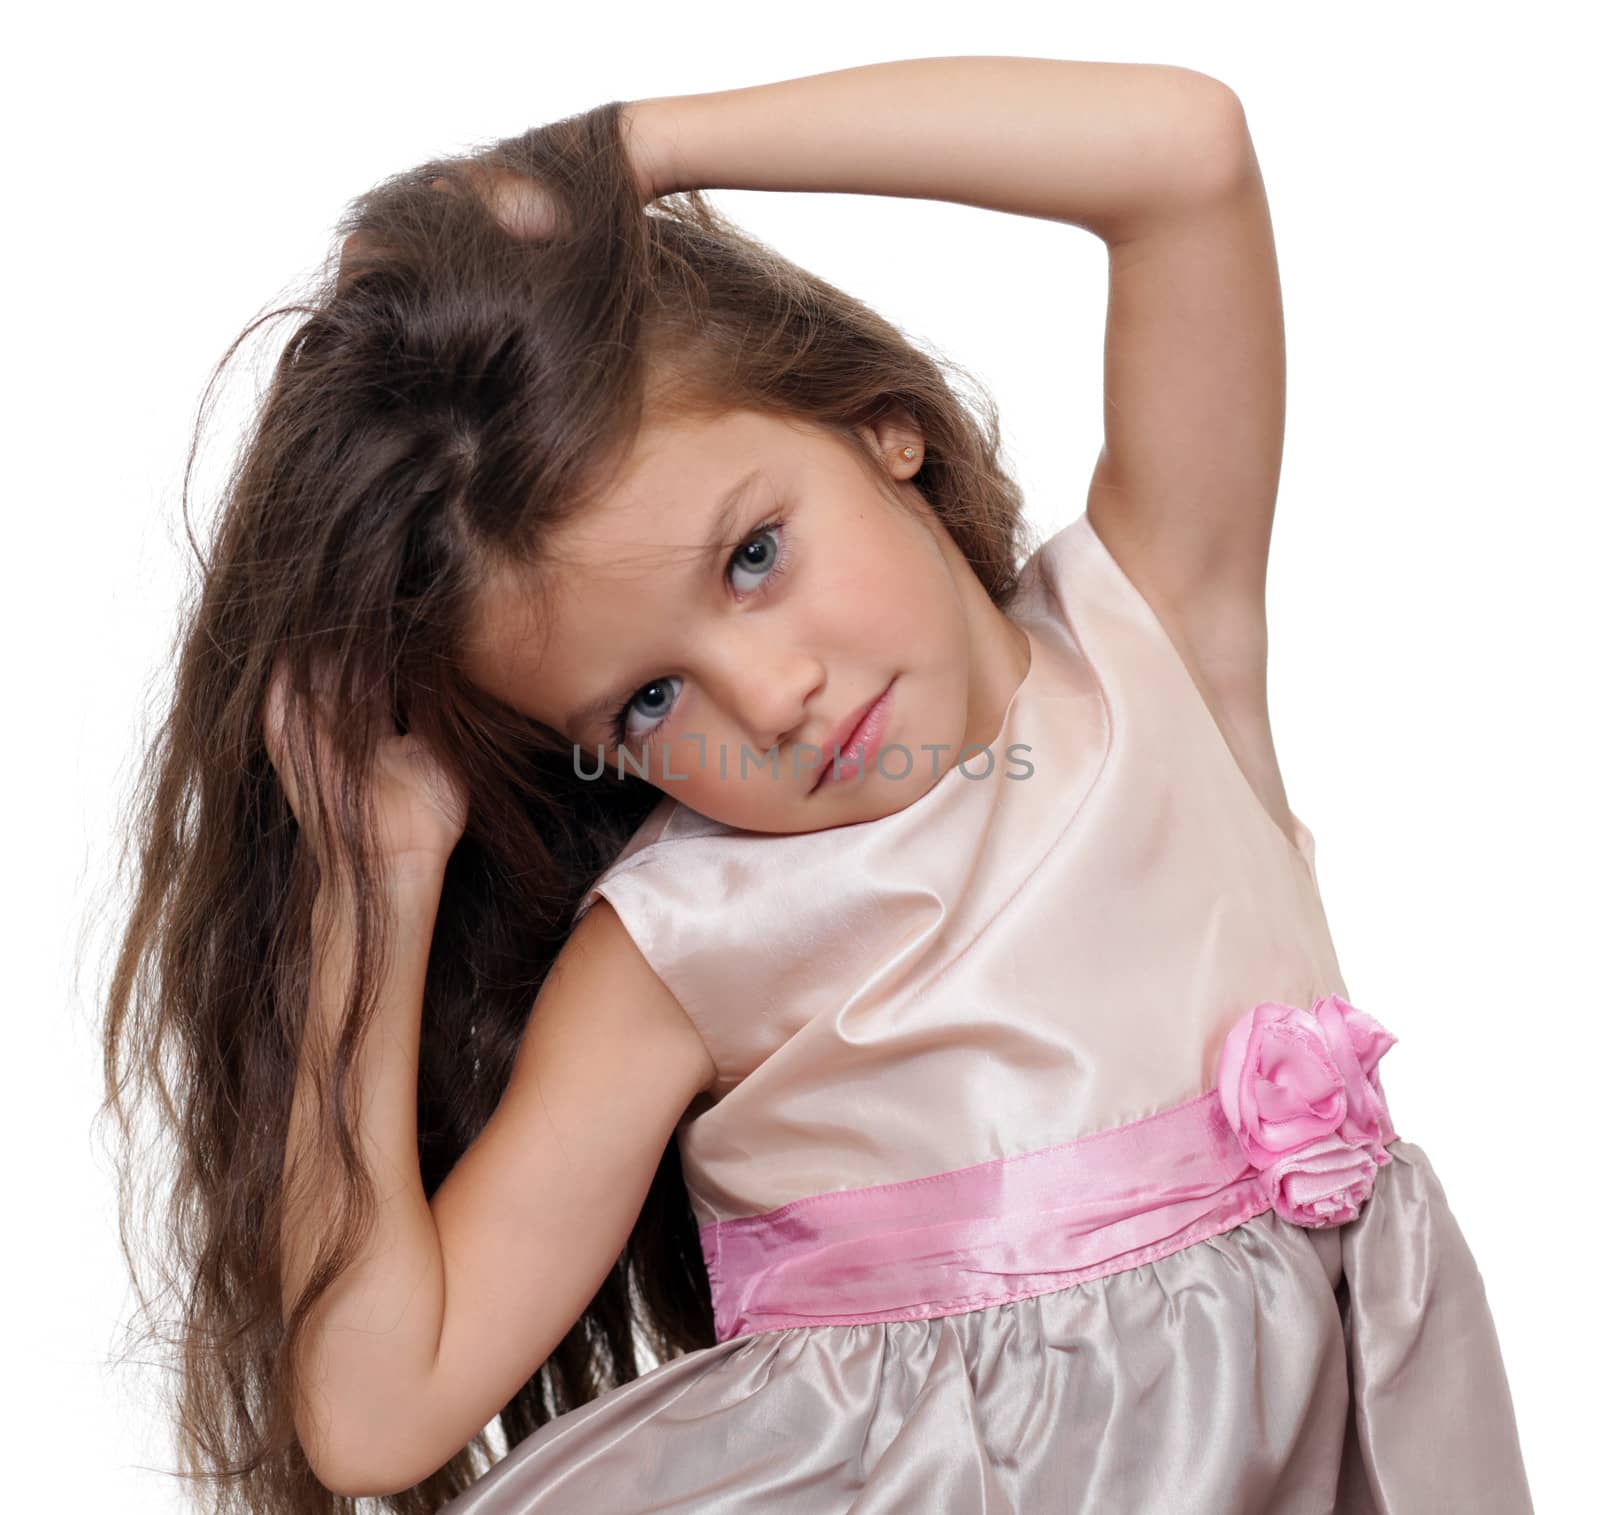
(459, 1302)
(374, 1332)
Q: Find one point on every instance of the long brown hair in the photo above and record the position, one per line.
(452, 392)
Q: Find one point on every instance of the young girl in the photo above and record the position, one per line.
(641, 849)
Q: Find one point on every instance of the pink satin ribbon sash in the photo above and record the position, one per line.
(1298, 1122)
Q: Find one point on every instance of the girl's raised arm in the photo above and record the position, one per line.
(1155, 160)
(1104, 146)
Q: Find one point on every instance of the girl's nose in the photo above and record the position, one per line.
(768, 693)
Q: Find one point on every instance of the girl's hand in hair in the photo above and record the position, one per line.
(647, 128)
(421, 809)
(516, 201)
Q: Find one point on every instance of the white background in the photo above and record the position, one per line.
(173, 171)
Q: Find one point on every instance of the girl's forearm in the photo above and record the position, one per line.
(375, 1331)
(1101, 145)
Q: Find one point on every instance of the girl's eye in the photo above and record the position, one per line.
(770, 564)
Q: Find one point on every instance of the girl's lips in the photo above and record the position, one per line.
(856, 753)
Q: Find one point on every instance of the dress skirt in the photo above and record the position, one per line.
(1274, 1366)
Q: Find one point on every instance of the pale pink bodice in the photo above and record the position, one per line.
(1005, 964)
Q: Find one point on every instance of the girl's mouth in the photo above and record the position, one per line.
(856, 753)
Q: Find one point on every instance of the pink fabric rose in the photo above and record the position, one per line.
(1356, 1042)
(1301, 1091)
(1322, 1184)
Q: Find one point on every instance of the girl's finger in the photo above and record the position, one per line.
(274, 707)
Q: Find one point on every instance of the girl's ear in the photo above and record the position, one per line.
(889, 437)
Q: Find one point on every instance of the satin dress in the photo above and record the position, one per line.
(1048, 1167)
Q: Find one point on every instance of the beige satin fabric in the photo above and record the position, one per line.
(1004, 964)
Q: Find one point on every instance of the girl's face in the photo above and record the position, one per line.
(731, 671)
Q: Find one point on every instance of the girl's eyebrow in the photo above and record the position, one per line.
(716, 540)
